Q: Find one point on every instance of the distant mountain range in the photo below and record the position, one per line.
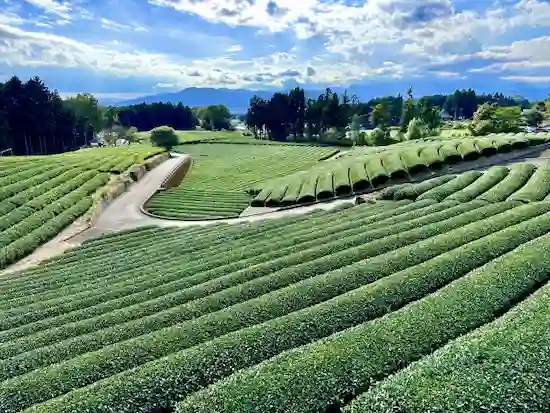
(237, 99)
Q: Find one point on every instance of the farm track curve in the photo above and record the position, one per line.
(125, 212)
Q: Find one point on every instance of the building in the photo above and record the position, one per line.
(445, 116)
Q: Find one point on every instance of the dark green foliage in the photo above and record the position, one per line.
(413, 191)
(164, 136)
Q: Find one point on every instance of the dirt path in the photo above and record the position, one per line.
(125, 213)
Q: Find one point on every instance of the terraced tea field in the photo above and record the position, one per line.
(364, 170)
(305, 314)
(221, 173)
(521, 182)
(40, 195)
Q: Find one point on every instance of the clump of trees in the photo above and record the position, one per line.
(35, 120)
(336, 119)
(214, 117)
(490, 118)
(146, 116)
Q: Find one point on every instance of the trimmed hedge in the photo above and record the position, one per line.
(342, 186)
(536, 188)
(413, 191)
(358, 177)
(449, 153)
(393, 165)
(485, 146)
(503, 365)
(325, 186)
(213, 302)
(226, 271)
(518, 176)
(308, 190)
(412, 161)
(188, 370)
(375, 171)
(468, 150)
(488, 180)
(322, 375)
(292, 192)
(441, 192)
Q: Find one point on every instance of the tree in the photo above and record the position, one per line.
(380, 117)
(86, 107)
(355, 127)
(164, 136)
(533, 117)
(256, 116)
(417, 129)
(380, 137)
(508, 119)
(214, 117)
(490, 118)
(35, 120)
(409, 111)
(146, 116)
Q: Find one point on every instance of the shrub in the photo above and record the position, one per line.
(518, 176)
(441, 192)
(417, 129)
(164, 136)
(380, 137)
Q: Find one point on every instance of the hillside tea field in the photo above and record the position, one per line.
(363, 170)
(40, 195)
(521, 182)
(216, 185)
(302, 314)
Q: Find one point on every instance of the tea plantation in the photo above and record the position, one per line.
(40, 195)
(299, 314)
(216, 186)
(362, 170)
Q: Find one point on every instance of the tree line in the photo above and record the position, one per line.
(293, 114)
(36, 120)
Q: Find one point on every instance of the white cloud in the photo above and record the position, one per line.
(53, 7)
(519, 56)
(235, 48)
(528, 79)
(372, 38)
(108, 24)
(253, 13)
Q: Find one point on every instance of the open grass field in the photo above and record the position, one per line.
(40, 195)
(221, 173)
(364, 170)
(304, 314)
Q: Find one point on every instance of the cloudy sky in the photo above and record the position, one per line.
(133, 47)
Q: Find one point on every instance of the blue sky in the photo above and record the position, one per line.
(126, 48)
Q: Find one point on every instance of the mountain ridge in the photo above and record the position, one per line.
(237, 99)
